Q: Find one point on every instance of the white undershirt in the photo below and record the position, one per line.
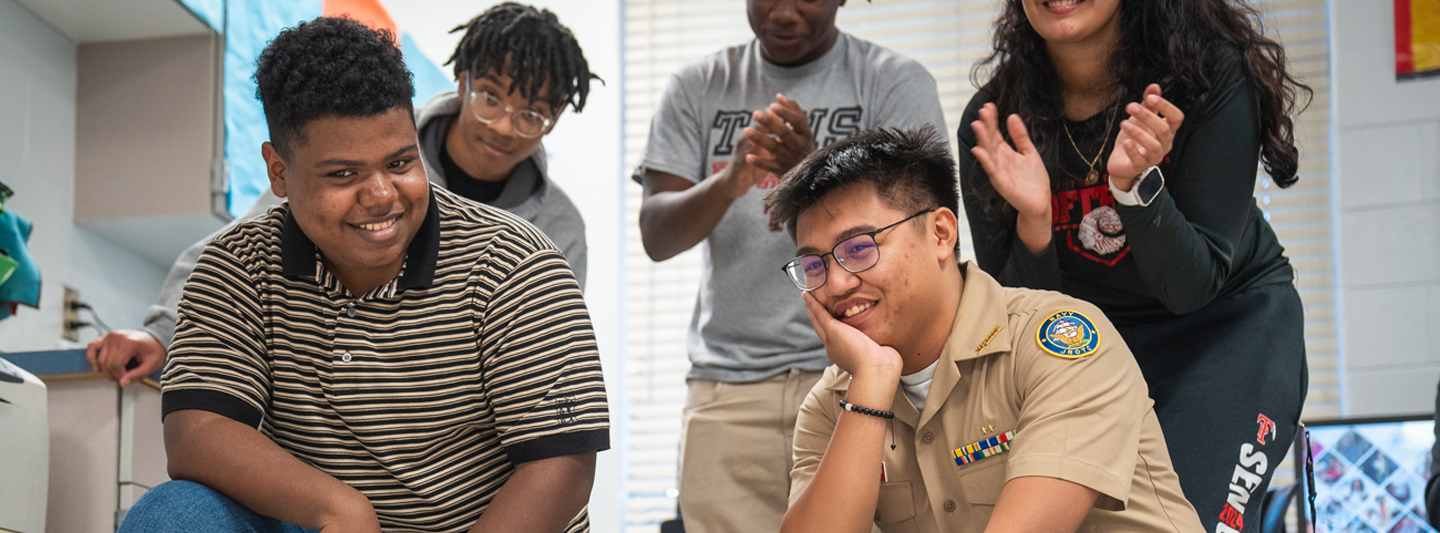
(917, 385)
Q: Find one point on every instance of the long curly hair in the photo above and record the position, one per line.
(1179, 44)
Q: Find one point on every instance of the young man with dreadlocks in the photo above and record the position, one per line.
(518, 69)
(376, 353)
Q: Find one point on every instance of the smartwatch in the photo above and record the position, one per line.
(1146, 188)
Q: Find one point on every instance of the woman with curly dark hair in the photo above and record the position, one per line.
(1122, 172)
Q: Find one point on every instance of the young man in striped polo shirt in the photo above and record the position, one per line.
(376, 354)
(514, 61)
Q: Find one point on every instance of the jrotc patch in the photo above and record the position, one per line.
(1068, 334)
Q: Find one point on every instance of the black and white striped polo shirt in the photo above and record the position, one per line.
(422, 394)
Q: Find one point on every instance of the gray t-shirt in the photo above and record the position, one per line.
(749, 321)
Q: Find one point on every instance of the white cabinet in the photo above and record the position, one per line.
(25, 459)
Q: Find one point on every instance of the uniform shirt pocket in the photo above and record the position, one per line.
(982, 480)
(895, 509)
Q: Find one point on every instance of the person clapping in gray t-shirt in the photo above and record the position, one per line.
(727, 126)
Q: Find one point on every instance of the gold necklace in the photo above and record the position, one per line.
(1093, 176)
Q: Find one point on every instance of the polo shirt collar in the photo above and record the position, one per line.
(298, 253)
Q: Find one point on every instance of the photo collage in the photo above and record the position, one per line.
(1370, 478)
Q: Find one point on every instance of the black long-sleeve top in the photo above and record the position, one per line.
(1201, 239)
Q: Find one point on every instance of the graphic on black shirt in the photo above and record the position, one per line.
(1087, 219)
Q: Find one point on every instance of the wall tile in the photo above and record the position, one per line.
(1361, 23)
(1397, 245)
(1368, 93)
(1388, 165)
(1393, 326)
(12, 116)
(52, 130)
(1391, 392)
(1429, 155)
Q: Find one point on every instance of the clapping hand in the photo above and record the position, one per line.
(1144, 139)
(1017, 173)
(740, 176)
(780, 135)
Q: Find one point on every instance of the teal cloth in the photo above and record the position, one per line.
(23, 287)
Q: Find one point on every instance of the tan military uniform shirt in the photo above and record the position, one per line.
(1084, 418)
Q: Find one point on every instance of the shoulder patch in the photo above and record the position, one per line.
(1068, 334)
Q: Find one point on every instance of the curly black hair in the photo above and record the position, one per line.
(538, 47)
(330, 66)
(911, 170)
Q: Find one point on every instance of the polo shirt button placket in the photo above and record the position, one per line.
(350, 311)
(346, 357)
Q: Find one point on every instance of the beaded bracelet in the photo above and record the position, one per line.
(887, 415)
(866, 410)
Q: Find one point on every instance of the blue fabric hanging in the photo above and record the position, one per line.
(23, 287)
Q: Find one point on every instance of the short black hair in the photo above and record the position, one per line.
(911, 169)
(539, 48)
(327, 67)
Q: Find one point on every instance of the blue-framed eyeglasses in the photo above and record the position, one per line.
(855, 254)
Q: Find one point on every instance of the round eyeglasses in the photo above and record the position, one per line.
(856, 254)
(487, 108)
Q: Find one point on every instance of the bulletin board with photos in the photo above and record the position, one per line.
(1370, 477)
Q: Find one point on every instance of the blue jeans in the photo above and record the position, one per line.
(183, 506)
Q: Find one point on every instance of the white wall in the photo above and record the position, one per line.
(37, 144)
(586, 160)
(1387, 135)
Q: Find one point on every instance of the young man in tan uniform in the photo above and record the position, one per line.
(954, 404)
